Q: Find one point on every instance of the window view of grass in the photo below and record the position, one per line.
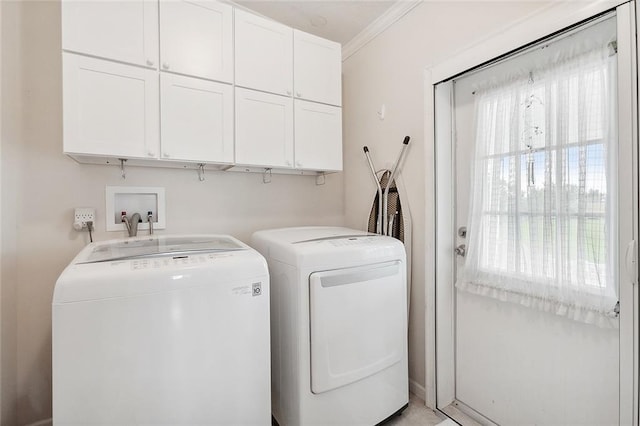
(544, 223)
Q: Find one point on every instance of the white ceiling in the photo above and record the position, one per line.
(335, 20)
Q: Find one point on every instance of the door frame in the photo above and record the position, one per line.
(439, 256)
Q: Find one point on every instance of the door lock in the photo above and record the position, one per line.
(462, 232)
(461, 250)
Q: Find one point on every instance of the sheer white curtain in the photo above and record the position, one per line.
(542, 225)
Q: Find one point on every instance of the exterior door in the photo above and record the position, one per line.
(504, 357)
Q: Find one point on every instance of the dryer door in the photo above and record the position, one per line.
(358, 322)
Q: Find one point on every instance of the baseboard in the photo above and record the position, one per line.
(45, 422)
(417, 389)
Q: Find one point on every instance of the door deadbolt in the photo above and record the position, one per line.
(462, 232)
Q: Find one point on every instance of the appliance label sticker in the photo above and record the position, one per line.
(257, 289)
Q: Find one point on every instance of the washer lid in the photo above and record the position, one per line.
(174, 245)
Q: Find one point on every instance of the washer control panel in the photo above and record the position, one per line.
(352, 241)
(166, 262)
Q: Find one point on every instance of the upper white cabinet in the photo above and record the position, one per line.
(110, 109)
(275, 58)
(173, 82)
(265, 136)
(271, 57)
(196, 39)
(264, 129)
(124, 31)
(196, 120)
(317, 69)
(318, 136)
(263, 54)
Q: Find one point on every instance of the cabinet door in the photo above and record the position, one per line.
(264, 129)
(317, 69)
(196, 119)
(196, 39)
(110, 109)
(318, 136)
(263, 54)
(125, 31)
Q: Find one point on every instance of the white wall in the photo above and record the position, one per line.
(11, 116)
(390, 70)
(2, 357)
(41, 187)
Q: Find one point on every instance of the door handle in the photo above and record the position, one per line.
(461, 250)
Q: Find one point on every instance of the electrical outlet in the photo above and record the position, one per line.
(83, 215)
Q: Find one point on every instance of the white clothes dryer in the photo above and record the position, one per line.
(338, 325)
(162, 330)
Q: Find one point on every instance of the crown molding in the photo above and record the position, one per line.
(384, 21)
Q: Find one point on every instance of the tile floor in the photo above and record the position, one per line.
(416, 414)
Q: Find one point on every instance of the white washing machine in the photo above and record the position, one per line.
(338, 325)
(162, 330)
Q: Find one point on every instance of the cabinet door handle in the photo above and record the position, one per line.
(298, 94)
(165, 155)
(151, 154)
(165, 65)
(289, 92)
(288, 163)
(149, 62)
(298, 164)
